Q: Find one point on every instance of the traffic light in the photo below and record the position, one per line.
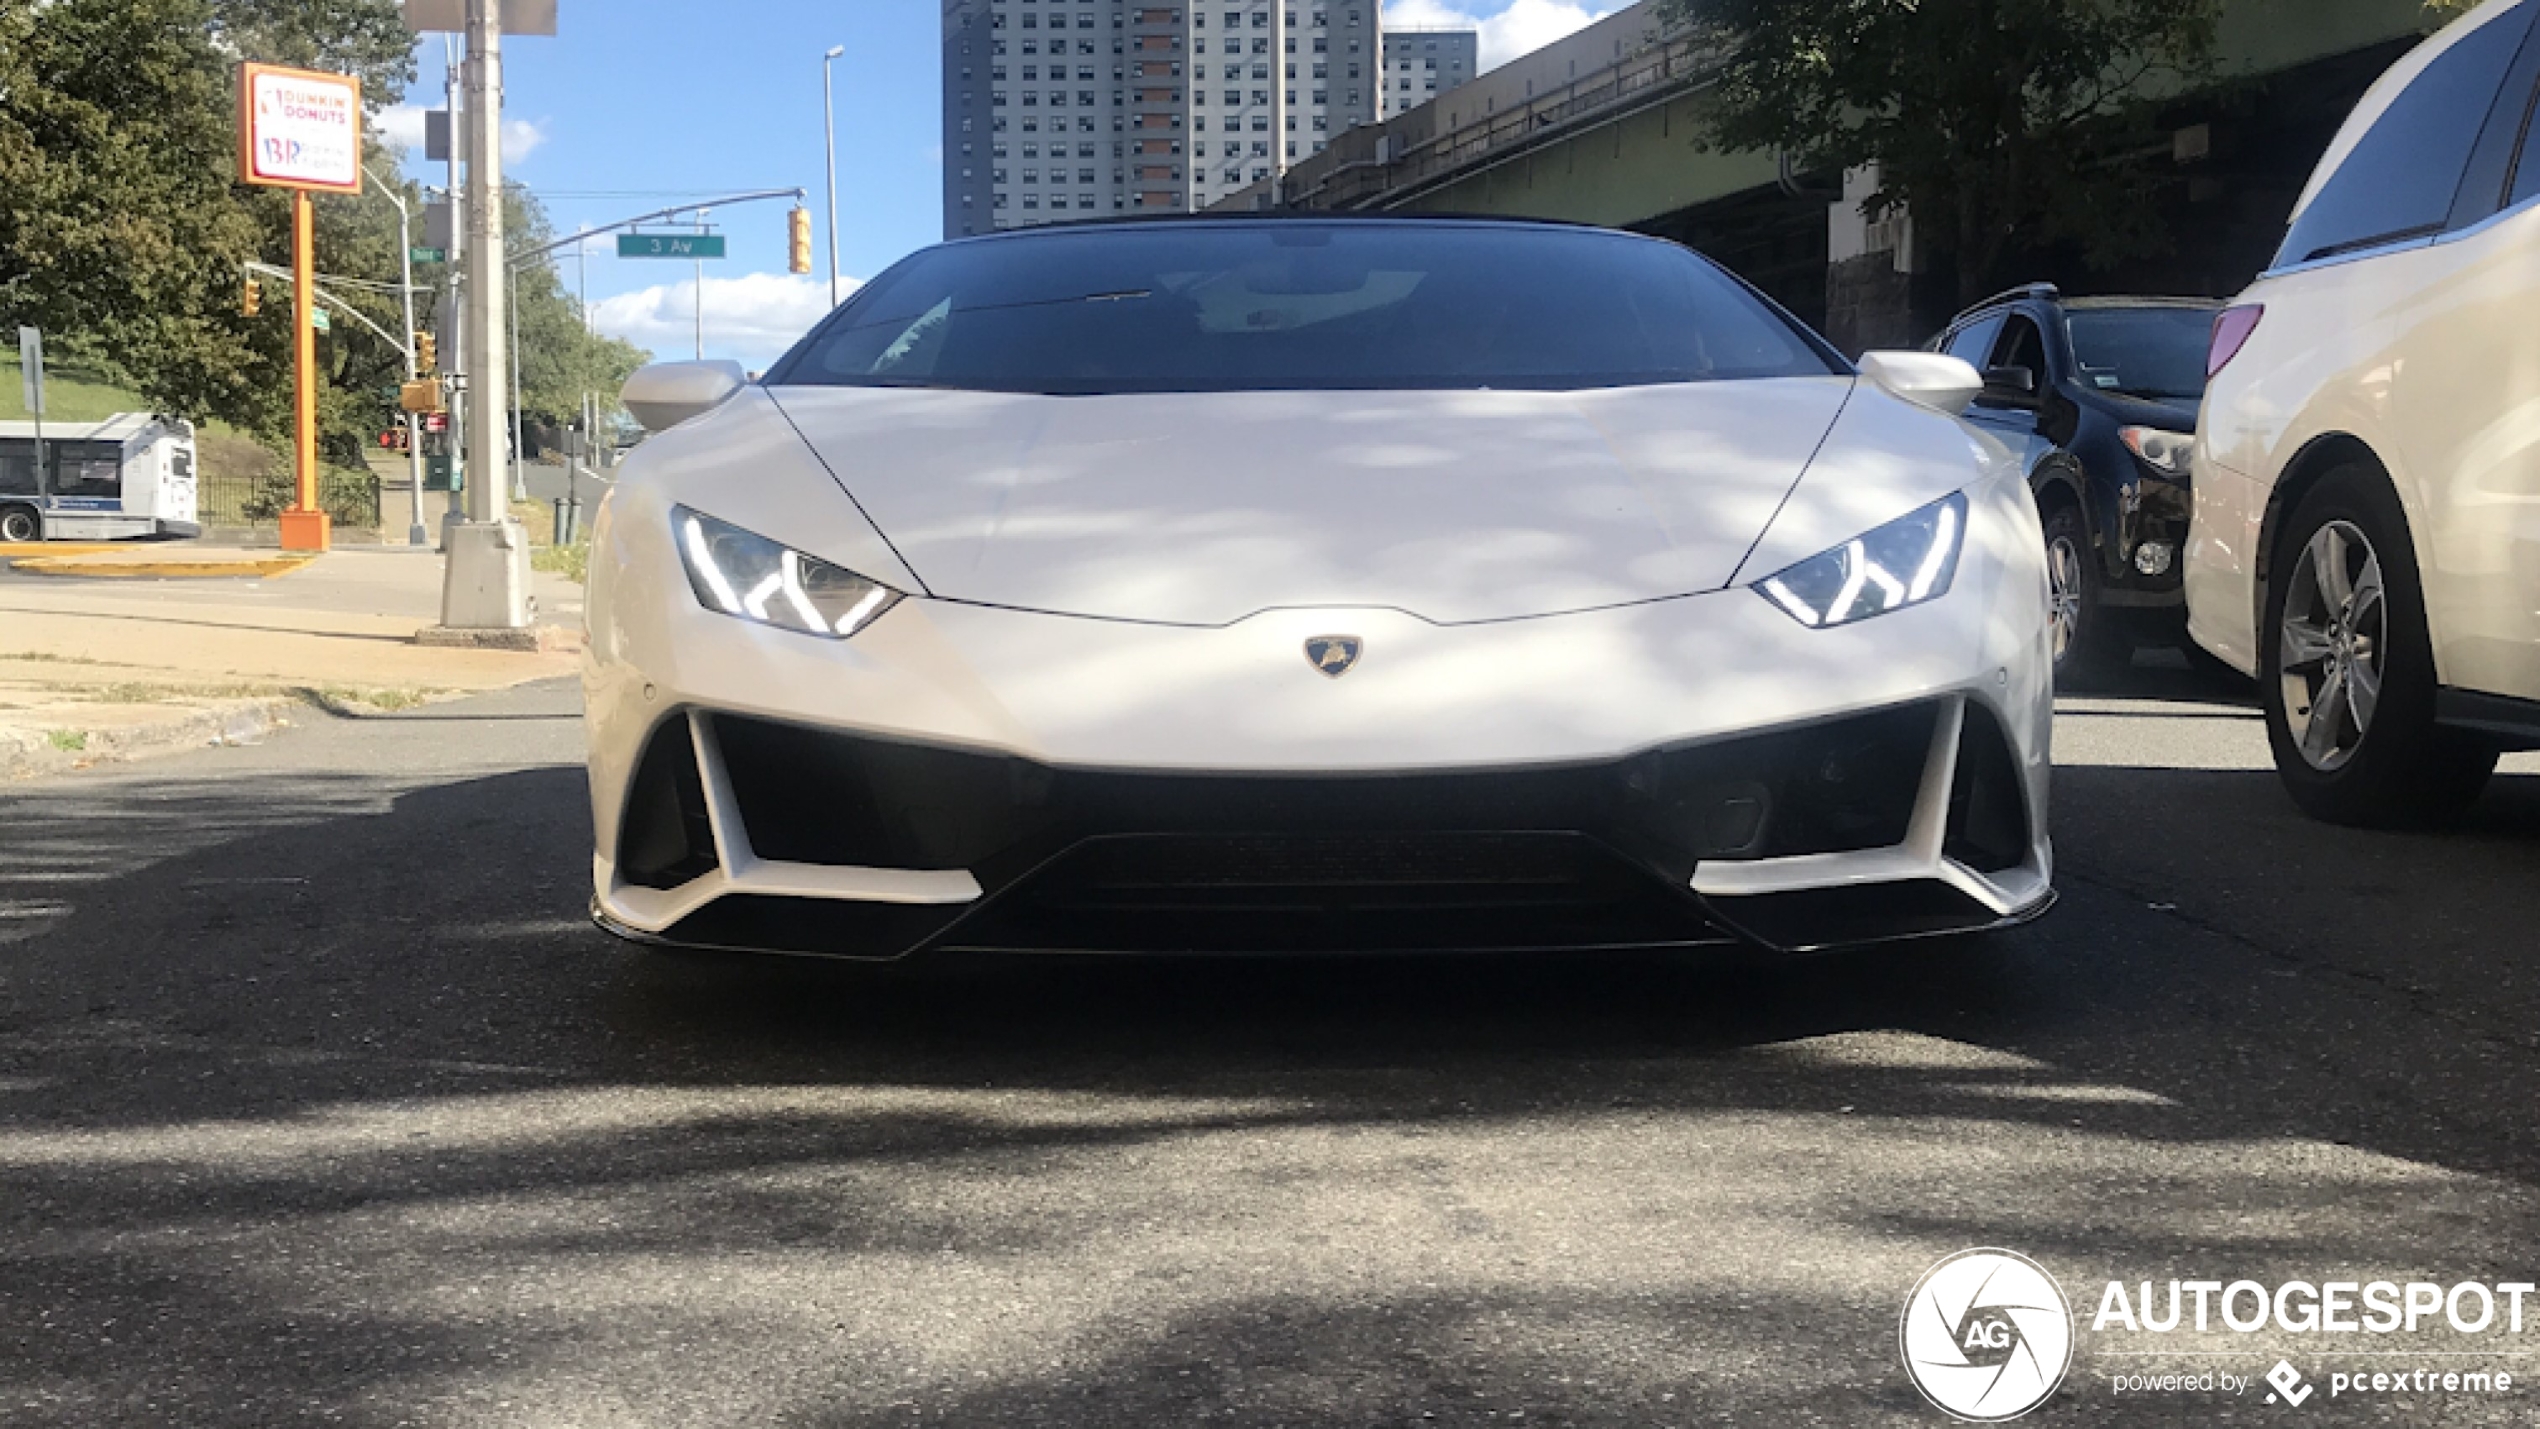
(798, 239)
(424, 394)
(427, 352)
(252, 299)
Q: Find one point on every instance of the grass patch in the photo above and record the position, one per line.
(571, 562)
(141, 692)
(40, 658)
(359, 700)
(69, 741)
(70, 395)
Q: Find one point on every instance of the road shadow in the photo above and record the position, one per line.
(319, 1106)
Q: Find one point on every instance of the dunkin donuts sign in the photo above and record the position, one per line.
(300, 129)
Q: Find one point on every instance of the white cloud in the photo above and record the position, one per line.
(402, 126)
(520, 136)
(1519, 28)
(751, 319)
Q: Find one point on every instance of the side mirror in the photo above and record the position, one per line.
(1928, 379)
(2009, 387)
(665, 394)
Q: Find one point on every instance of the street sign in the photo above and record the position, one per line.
(670, 245)
(299, 129)
(429, 255)
(31, 369)
(319, 320)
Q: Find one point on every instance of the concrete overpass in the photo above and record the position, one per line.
(1605, 127)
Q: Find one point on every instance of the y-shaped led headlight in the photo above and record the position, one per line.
(741, 573)
(1905, 562)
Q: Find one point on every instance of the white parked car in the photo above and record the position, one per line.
(1270, 585)
(2366, 539)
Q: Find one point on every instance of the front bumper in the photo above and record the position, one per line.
(1680, 773)
(744, 833)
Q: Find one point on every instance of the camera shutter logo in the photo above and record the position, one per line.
(1986, 1335)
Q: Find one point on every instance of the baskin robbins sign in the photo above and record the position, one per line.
(299, 129)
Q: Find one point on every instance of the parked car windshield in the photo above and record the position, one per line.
(2158, 353)
(1289, 305)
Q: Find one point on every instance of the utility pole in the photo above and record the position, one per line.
(701, 290)
(486, 581)
(415, 534)
(520, 483)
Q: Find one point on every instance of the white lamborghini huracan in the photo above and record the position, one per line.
(1309, 584)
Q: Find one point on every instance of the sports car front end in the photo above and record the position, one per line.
(1740, 654)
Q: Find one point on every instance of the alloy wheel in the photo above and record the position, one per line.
(2332, 644)
(2063, 593)
(16, 526)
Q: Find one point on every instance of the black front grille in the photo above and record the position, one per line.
(1578, 856)
(808, 796)
(1337, 893)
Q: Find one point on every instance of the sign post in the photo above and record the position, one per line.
(301, 130)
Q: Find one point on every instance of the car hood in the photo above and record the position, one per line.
(1204, 508)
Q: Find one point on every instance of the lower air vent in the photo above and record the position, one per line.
(1988, 810)
(665, 838)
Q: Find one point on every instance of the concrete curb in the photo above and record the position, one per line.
(531, 639)
(26, 754)
(11, 550)
(116, 566)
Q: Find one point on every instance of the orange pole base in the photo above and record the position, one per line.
(307, 531)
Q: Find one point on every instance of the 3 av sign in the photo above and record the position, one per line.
(670, 245)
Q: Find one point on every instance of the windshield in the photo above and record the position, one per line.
(1216, 307)
(2156, 353)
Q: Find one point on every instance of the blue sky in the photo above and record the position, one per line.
(637, 104)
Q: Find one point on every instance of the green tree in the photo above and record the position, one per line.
(122, 230)
(561, 359)
(1998, 124)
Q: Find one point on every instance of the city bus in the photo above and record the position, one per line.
(129, 476)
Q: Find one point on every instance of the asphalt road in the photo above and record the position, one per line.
(320, 1103)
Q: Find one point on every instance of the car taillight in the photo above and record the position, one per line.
(2231, 333)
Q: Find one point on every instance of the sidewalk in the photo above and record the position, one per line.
(95, 668)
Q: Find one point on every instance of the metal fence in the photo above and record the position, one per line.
(258, 499)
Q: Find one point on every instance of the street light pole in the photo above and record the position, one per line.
(454, 298)
(415, 534)
(701, 290)
(829, 132)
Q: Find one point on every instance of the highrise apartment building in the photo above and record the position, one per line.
(1420, 65)
(1067, 109)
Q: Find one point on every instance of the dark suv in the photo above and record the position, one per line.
(2113, 385)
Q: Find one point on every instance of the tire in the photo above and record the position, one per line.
(2085, 641)
(20, 524)
(2346, 668)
